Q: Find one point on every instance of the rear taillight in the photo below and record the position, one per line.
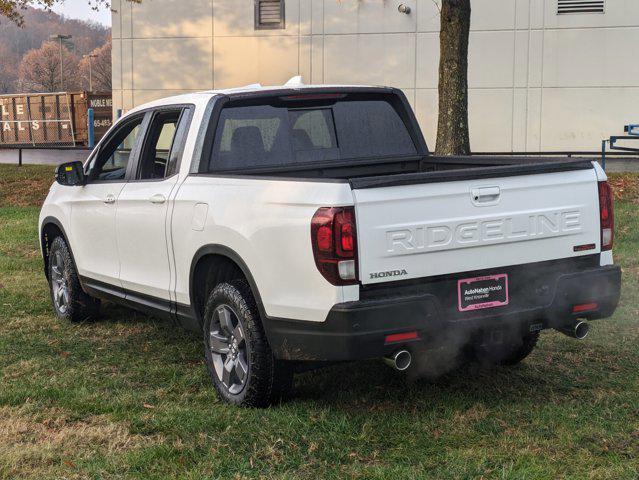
(606, 216)
(334, 240)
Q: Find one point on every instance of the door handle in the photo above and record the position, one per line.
(157, 198)
(485, 195)
(110, 198)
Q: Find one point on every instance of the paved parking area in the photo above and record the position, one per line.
(47, 156)
(42, 156)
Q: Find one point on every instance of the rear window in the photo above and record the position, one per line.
(283, 133)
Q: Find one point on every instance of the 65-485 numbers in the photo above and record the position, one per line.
(101, 122)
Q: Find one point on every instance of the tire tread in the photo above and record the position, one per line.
(270, 379)
(83, 307)
(529, 341)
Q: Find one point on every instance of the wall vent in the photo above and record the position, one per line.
(579, 6)
(269, 14)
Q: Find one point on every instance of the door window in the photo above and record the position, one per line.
(160, 153)
(111, 162)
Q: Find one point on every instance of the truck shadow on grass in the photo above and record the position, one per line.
(374, 385)
(560, 370)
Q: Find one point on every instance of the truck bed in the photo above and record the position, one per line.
(371, 173)
(448, 169)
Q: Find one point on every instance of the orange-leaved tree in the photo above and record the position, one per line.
(40, 69)
(95, 69)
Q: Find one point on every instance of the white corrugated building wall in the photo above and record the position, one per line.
(539, 80)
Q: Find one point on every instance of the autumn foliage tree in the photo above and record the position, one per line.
(40, 70)
(8, 73)
(95, 69)
(38, 27)
(12, 9)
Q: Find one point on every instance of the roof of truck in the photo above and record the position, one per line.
(196, 97)
(293, 83)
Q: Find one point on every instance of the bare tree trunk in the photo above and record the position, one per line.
(452, 125)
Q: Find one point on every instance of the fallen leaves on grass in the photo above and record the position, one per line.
(625, 186)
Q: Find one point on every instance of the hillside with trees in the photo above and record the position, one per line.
(30, 60)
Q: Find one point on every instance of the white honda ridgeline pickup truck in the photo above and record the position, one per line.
(297, 225)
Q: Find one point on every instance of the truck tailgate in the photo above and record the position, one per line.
(416, 230)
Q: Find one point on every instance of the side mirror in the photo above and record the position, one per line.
(70, 174)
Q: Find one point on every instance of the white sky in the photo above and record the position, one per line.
(80, 9)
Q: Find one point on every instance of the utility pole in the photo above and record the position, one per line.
(90, 56)
(60, 38)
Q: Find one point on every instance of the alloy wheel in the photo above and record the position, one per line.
(228, 347)
(59, 284)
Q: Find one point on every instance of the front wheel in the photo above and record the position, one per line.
(70, 302)
(238, 357)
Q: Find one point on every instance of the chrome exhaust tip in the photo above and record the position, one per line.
(581, 330)
(400, 360)
(578, 330)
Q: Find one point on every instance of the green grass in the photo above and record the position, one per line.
(24, 186)
(128, 397)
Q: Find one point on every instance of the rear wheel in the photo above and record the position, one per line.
(510, 352)
(238, 357)
(519, 351)
(70, 302)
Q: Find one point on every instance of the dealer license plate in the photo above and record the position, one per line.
(482, 292)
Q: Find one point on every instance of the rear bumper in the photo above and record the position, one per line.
(543, 298)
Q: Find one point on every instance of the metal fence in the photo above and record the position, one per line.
(51, 120)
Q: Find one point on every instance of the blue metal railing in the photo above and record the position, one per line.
(91, 128)
(632, 131)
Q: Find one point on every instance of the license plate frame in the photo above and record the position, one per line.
(479, 293)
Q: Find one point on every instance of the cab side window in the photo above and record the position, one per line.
(159, 144)
(161, 154)
(111, 162)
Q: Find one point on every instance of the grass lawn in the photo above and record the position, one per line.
(128, 396)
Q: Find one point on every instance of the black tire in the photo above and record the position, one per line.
(520, 351)
(69, 301)
(513, 350)
(253, 376)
